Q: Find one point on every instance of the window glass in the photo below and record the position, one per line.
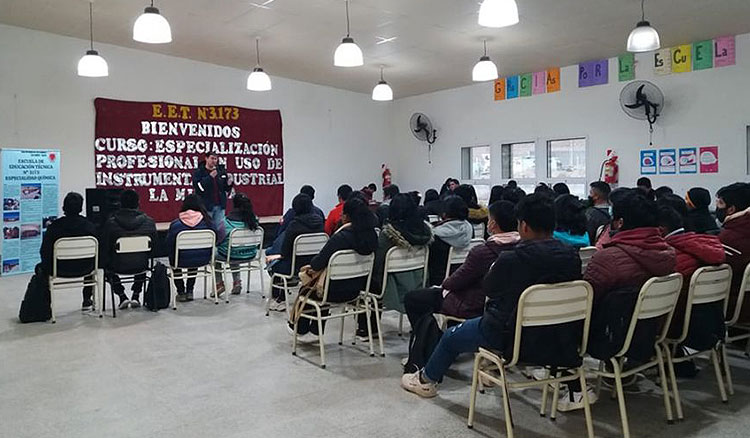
(566, 158)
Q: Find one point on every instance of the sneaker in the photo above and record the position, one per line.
(189, 295)
(220, 288)
(304, 339)
(572, 401)
(183, 298)
(412, 383)
(237, 288)
(277, 306)
(124, 302)
(134, 303)
(362, 335)
(87, 306)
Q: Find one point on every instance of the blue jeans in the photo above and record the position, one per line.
(217, 216)
(466, 337)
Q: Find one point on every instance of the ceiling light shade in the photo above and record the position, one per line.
(92, 65)
(484, 70)
(348, 54)
(258, 80)
(382, 92)
(151, 27)
(498, 13)
(643, 38)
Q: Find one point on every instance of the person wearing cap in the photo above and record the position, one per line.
(698, 218)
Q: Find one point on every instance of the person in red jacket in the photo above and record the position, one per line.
(733, 211)
(692, 251)
(635, 253)
(333, 221)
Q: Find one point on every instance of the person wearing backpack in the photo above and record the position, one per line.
(598, 214)
(242, 216)
(128, 221)
(537, 258)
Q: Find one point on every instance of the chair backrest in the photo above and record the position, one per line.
(75, 248)
(478, 230)
(585, 254)
(240, 238)
(552, 304)
(432, 218)
(307, 245)
(744, 289)
(133, 244)
(708, 284)
(348, 265)
(192, 240)
(405, 260)
(457, 256)
(657, 298)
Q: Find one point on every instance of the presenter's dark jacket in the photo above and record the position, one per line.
(212, 191)
(66, 226)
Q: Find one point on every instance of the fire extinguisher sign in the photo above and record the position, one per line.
(648, 162)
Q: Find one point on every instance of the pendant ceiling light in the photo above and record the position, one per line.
(348, 53)
(484, 70)
(258, 80)
(498, 13)
(382, 91)
(91, 64)
(151, 27)
(643, 38)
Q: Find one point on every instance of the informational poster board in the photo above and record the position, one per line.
(31, 186)
(648, 162)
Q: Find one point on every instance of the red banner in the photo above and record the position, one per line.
(154, 148)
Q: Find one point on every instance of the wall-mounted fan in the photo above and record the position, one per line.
(421, 127)
(642, 100)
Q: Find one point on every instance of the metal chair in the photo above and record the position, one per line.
(545, 305)
(433, 218)
(304, 245)
(479, 230)
(241, 238)
(708, 285)
(733, 323)
(194, 240)
(657, 299)
(343, 265)
(70, 249)
(128, 245)
(585, 254)
(457, 256)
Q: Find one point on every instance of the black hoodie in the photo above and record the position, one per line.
(125, 222)
(301, 224)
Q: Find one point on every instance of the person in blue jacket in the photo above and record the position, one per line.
(570, 221)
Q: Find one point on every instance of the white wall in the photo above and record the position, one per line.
(330, 136)
(709, 107)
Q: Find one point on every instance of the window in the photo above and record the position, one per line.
(475, 163)
(566, 158)
(519, 160)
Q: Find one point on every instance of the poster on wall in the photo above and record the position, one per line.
(31, 179)
(154, 148)
(593, 73)
(688, 160)
(648, 162)
(667, 162)
(709, 159)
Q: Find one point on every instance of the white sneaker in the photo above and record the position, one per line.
(571, 402)
(307, 338)
(411, 383)
(277, 306)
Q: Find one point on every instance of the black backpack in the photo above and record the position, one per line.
(425, 336)
(158, 293)
(35, 306)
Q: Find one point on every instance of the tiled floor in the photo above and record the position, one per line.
(226, 371)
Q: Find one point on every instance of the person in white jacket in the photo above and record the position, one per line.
(452, 231)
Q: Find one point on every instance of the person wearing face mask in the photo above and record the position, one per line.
(733, 211)
(605, 232)
(598, 215)
(698, 218)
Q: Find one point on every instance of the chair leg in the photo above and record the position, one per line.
(506, 404)
(555, 398)
(341, 330)
(474, 385)
(378, 324)
(320, 337)
(675, 389)
(598, 387)
(294, 337)
(205, 287)
(545, 392)
(719, 378)
(369, 329)
(401, 324)
(226, 284)
(269, 298)
(262, 281)
(52, 302)
(664, 386)
(621, 398)
(727, 369)
(586, 403)
(248, 281)
(172, 288)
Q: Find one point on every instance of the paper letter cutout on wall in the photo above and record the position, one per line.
(540, 82)
(500, 89)
(724, 51)
(593, 73)
(682, 61)
(511, 87)
(663, 61)
(553, 80)
(626, 66)
(524, 85)
(703, 55)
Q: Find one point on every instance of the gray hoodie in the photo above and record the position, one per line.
(456, 233)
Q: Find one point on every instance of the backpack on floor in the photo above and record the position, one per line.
(425, 336)
(35, 306)
(158, 293)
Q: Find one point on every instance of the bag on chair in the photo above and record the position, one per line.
(425, 336)
(311, 286)
(35, 306)
(158, 294)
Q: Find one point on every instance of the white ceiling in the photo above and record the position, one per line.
(437, 41)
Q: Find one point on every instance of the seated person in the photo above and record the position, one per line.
(478, 214)
(561, 189)
(570, 218)
(357, 233)
(193, 216)
(289, 215)
(305, 222)
(699, 219)
(72, 224)
(461, 295)
(452, 231)
(404, 229)
(597, 215)
(128, 221)
(537, 258)
(432, 204)
(333, 221)
(242, 216)
(733, 211)
(389, 192)
(605, 233)
(692, 252)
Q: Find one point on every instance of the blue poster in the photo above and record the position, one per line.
(667, 161)
(648, 162)
(688, 161)
(511, 91)
(31, 181)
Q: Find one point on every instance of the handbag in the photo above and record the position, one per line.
(310, 285)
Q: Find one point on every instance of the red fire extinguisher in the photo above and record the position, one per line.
(610, 170)
(386, 176)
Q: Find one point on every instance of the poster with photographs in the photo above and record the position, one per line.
(30, 203)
